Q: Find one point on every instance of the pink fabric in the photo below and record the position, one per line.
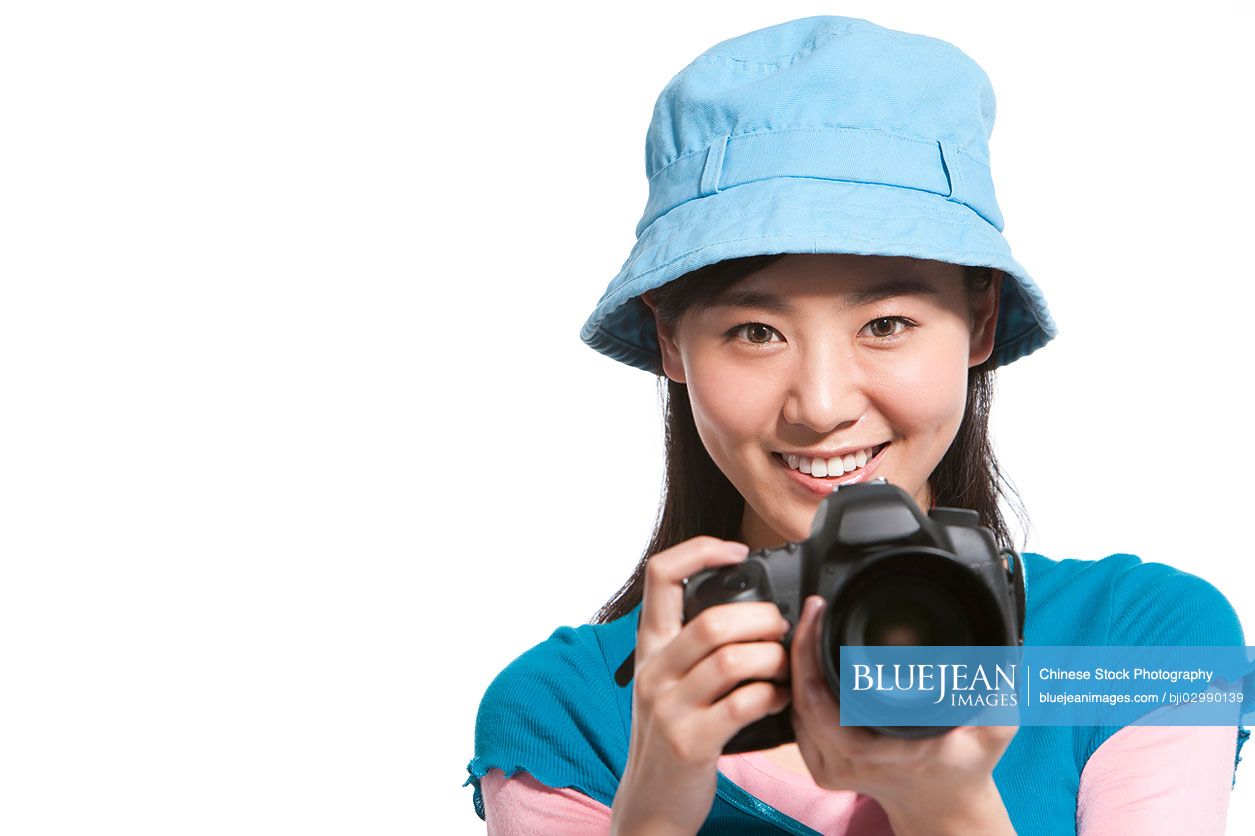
(523, 806)
(798, 796)
(1142, 779)
(1158, 779)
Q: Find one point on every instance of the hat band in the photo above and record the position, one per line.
(827, 153)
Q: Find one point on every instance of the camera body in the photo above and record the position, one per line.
(890, 575)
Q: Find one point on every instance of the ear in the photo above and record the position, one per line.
(985, 323)
(670, 350)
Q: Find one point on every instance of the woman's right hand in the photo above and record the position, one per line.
(681, 718)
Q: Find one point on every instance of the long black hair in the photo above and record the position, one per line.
(697, 497)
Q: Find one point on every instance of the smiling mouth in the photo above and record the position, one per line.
(848, 474)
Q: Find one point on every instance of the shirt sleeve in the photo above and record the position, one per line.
(553, 712)
(1158, 779)
(1153, 604)
(522, 806)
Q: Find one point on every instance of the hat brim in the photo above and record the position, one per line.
(805, 215)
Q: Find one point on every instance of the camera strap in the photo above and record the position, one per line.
(1015, 570)
(624, 674)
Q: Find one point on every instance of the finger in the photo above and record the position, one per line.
(745, 705)
(662, 606)
(808, 677)
(819, 758)
(721, 625)
(816, 707)
(722, 671)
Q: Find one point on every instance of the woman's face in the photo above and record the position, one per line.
(817, 363)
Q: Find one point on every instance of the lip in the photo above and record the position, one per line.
(823, 486)
(842, 453)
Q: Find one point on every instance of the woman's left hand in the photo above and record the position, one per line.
(932, 784)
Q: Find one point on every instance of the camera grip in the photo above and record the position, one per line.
(736, 583)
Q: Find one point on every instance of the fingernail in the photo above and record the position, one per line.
(739, 549)
(816, 605)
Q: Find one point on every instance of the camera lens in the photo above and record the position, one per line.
(909, 611)
(916, 599)
(910, 596)
(901, 623)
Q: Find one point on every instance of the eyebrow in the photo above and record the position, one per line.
(746, 298)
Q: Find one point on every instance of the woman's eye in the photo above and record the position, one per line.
(889, 321)
(882, 328)
(754, 331)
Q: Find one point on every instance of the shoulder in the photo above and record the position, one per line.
(1124, 600)
(1154, 603)
(563, 659)
(556, 712)
(569, 673)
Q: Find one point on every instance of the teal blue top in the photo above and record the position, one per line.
(556, 712)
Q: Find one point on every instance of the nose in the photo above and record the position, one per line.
(826, 390)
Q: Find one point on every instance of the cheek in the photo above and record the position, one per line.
(729, 406)
(929, 391)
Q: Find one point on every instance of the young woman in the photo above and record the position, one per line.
(821, 283)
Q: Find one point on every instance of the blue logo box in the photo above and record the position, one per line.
(1054, 685)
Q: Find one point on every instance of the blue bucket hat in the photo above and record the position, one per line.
(820, 135)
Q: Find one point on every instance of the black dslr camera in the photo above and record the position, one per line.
(890, 576)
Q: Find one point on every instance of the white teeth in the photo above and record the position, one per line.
(836, 466)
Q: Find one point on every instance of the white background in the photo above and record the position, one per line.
(300, 446)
